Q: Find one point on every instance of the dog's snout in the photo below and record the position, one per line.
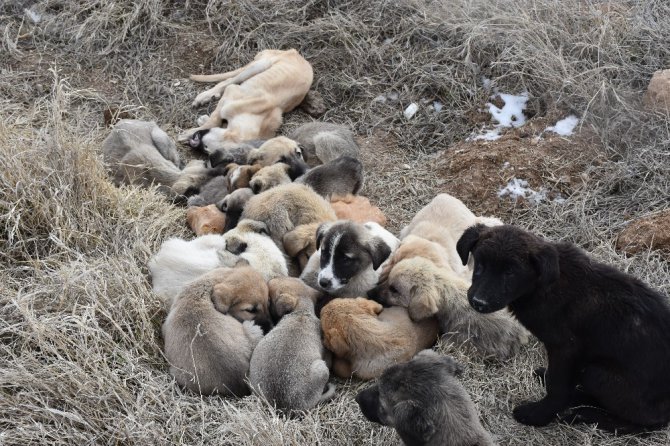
(256, 188)
(325, 283)
(265, 324)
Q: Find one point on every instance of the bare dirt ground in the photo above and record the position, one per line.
(80, 343)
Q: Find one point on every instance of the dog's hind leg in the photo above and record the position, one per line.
(604, 420)
(244, 74)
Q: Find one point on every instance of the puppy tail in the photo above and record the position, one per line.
(328, 392)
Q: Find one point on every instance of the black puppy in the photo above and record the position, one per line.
(425, 403)
(607, 334)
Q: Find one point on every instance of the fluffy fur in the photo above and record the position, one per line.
(239, 176)
(428, 290)
(211, 192)
(269, 177)
(285, 207)
(606, 332)
(232, 152)
(253, 99)
(210, 334)
(341, 176)
(349, 258)
(273, 150)
(287, 366)
(285, 294)
(300, 243)
(324, 142)
(425, 403)
(140, 153)
(356, 208)
(233, 205)
(367, 338)
(205, 220)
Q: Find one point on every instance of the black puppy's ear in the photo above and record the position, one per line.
(467, 242)
(220, 156)
(296, 166)
(412, 422)
(378, 250)
(320, 233)
(545, 262)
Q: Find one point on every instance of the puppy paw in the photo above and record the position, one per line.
(184, 137)
(205, 97)
(534, 414)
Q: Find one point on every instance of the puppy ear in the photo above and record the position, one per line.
(321, 232)
(253, 169)
(545, 262)
(294, 243)
(283, 304)
(295, 166)
(467, 242)
(374, 308)
(335, 342)
(222, 297)
(229, 167)
(257, 226)
(378, 250)
(218, 157)
(422, 301)
(301, 152)
(412, 423)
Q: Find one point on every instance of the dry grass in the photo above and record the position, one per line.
(80, 346)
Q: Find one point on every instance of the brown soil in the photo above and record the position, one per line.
(647, 233)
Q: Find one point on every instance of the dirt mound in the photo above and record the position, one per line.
(647, 233)
(524, 166)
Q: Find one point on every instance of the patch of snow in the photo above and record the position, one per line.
(381, 99)
(487, 83)
(411, 110)
(505, 164)
(491, 135)
(511, 115)
(518, 188)
(564, 127)
(437, 105)
(34, 16)
(392, 96)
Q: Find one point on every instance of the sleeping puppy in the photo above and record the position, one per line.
(425, 403)
(211, 192)
(205, 220)
(605, 331)
(413, 246)
(297, 381)
(282, 172)
(349, 257)
(324, 142)
(285, 207)
(233, 205)
(356, 208)
(249, 242)
(285, 292)
(273, 150)
(341, 176)
(239, 176)
(367, 338)
(231, 152)
(300, 243)
(428, 290)
(210, 331)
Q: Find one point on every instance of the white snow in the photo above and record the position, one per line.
(34, 16)
(381, 98)
(437, 105)
(564, 127)
(510, 115)
(487, 83)
(411, 110)
(518, 188)
(490, 135)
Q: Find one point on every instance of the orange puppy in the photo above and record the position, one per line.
(206, 220)
(356, 208)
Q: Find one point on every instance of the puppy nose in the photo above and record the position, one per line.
(324, 283)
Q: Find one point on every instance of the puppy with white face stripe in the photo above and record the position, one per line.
(349, 257)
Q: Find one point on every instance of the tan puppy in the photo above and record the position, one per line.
(367, 338)
(210, 333)
(285, 293)
(300, 243)
(414, 246)
(239, 176)
(273, 150)
(299, 380)
(253, 99)
(428, 290)
(356, 208)
(285, 207)
(206, 219)
(324, 142)
(269, 177)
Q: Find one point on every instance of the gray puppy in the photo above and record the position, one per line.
(425, 403)
(233, 152)
(212, 192)
(323, 142)
(341, 176)
(288, 366)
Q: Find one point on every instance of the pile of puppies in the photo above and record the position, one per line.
(292, 275)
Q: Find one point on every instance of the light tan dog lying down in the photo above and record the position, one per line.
(367, 338)
(206, 219)
(253, 99)
(356, 208)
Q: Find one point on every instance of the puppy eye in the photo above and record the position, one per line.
(479, 268)
(253, 310)
(393, 289)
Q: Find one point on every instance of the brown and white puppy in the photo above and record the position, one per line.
(300, 243)
(253, 99)
(367, 338)
(233, 205)
(210, 331)
(429, 290)
(349, 257)
(324, 142)
(239, 176)
(285, 207)
(340, 176)
(297, 381)
(140, 153)
(425, 403)
(274, 150)
(356, 208)
(206, 219)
